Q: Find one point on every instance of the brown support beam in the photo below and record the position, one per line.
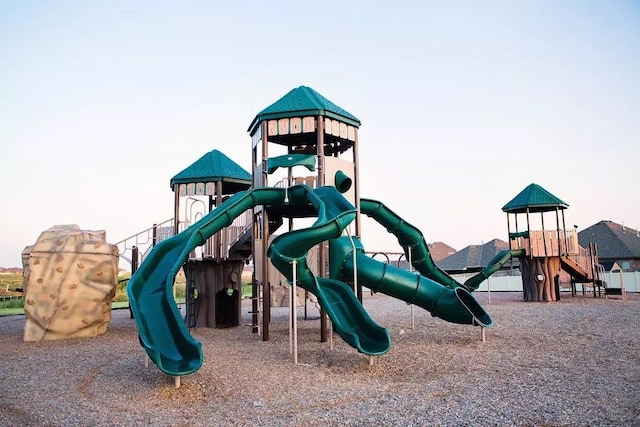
(356, 195)
(217, 239)
(558, 228)
(176, 209)
(255, 292)
(509, 232)
(322, 270)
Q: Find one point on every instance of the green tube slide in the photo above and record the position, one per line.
(350, 319)
(409, 237)
(454, 305)
(495, 264)
(416, 249)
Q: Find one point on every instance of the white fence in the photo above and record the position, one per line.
(631, 281)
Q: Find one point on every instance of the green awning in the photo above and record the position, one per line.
(291, 160)
(213, 167)
(534, 199)
(301, 102)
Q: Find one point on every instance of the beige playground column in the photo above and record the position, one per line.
(71, 283)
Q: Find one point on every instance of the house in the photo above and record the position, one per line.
(437, 250)
(474, 258)
(440, 251)
(615, 243)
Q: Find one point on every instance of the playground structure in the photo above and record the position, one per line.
(546, 252)
(321, 212)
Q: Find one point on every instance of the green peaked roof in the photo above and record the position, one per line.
(303, 101)
(212, 167)
(534, 199)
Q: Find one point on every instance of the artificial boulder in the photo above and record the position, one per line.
(71, 283)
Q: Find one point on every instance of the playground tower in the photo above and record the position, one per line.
(301, 133)
(213, 271)
(548, 251)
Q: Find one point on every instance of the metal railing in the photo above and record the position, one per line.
(232, 234)
(134, 248)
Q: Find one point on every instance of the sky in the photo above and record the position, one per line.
(462, 103)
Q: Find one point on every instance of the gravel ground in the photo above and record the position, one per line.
(575, 362)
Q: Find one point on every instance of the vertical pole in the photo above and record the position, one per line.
(217, 238)
(356, 196)
(292, 313)
(558, 228)
(255, 251)
(154, 235)
(355, 263)
(266, 286)
(509, 232)
(564, 229)
(322, 268)
(134, 267)
(544, 238)
(330, 335)
(593, 273)
(529, 233)
(413, 324)
(176, 209)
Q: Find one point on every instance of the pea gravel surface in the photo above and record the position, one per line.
(574, 362)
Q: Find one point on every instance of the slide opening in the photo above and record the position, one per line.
(342, 182)
(480, 316)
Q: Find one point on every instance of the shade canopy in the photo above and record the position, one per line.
(534, 198)
(303, 101)
(214, 167)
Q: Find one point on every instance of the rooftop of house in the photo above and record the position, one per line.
(473, 257)
(614, 241)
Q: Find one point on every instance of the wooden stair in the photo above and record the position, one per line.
(575, 270)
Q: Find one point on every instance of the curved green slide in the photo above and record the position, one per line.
(161, 330)
(350, 319)
(416, 249)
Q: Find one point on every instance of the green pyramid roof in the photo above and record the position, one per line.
(213, 167)
(534, 199)
(303, 101)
